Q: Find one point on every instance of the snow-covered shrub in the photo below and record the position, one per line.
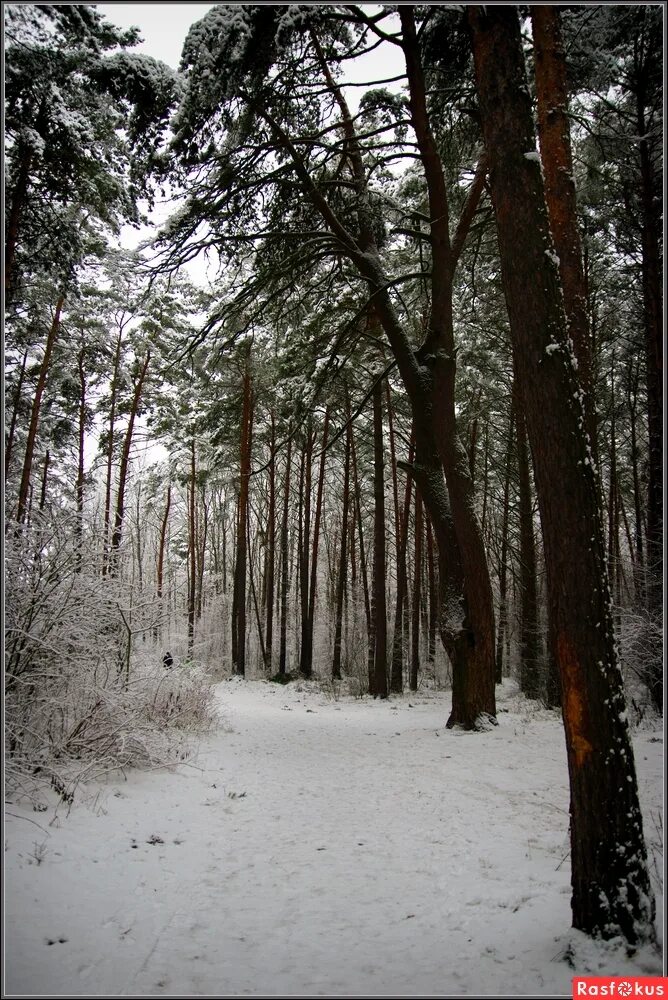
(85, 690)
(640, 638)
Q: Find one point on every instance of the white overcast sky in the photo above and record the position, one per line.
(163, 26)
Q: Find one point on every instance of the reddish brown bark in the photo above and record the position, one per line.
(557, 160)
(611, 888)
(34, 415)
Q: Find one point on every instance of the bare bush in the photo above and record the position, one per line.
(79, 699)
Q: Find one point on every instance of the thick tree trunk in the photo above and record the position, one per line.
(475, 633)
(239, 594)
(467, 620)
(653, 311)
(557, 160)
(34, 415)
(611, 888)
(378, 680)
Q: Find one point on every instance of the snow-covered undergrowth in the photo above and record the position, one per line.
(318, 845)
(85, 689)
(75, 729)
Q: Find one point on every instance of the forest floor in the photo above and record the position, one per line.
(317, 846)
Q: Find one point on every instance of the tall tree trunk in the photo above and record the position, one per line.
(15, 412)
(82, 441)
(474, 671)
(378, 683)
(343, 560)
(467, 622)
(192, 543)
(45, 475)
(270, 561)
(396, 669)
(282, 655)
(363, 560)
(110, 451)
(17, 204)
(612, 894)
(306, 662)
(632, 401)
(530, 640)
(503, 567)
(203, 532)
(125, 465)
(305, 475)
(557, 160)
(653, 313)
(161, 553)
(417, 581)
(433, 595)
(239, 595)
(34, 415)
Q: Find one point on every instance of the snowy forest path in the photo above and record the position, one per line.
(313, 846)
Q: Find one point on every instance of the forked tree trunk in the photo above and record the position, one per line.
(612, 894)
(24, 488)
(467, 619)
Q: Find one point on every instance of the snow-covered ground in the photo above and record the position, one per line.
(316, 846)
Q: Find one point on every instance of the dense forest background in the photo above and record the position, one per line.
(250, 470)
